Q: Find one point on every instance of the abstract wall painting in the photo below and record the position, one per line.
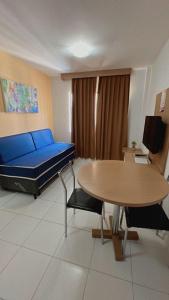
(19, 97)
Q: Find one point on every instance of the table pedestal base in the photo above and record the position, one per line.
(116, 239)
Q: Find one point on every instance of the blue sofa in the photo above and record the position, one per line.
(30, 160)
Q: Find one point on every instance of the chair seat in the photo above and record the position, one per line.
(81, 200)
(152, 217)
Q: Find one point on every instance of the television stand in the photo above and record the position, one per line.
(131, 153)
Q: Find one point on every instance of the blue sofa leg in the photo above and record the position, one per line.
(36, 195)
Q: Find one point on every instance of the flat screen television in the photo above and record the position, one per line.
(154, 133)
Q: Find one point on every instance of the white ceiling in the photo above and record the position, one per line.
(123, 33)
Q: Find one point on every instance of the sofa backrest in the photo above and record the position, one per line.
(42, 138)
(14, 146)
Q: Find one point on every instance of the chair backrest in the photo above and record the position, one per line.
(61, 176)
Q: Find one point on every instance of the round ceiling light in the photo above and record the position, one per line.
(81, 49)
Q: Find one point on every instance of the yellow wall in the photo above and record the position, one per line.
(20, 71)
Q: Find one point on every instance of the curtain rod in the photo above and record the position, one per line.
(68, 76)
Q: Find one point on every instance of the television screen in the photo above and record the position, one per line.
(154, 132)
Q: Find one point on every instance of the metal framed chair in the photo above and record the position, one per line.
(150, 217)
(80, 200)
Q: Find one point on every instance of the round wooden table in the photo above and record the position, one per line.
(122, 184)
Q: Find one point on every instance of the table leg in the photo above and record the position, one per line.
(117, 242)
(115, 217)
(115, 234)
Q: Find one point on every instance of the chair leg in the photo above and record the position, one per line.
(125, 240)
(74, 211)
(161, 236)
(104, 214)
(121, 218)
(101, 221)
(65, 221)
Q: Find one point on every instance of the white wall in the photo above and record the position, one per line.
(159, 81)
(136, 105)
(62, 110)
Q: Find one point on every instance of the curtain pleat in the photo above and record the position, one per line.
(83, 110)
(112, 116)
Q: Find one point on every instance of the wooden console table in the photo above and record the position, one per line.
(129, 154)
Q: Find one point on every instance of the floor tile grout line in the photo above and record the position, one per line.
(19, 247)
(131, 265)
(10, 197)
(31, 232)
(150, 288)
(41, 279)
(28, 248)
(47, 221)
(36, 251)
(67, 260)
(9, 242)
(44, 253)
(26, 237)
(110, 275)
(142, 285)
(55, 258)
(20, 213)
(85, 284)
(80, 265)
(22, 244)
(58, 244)
(33, 217)
(8, 223)
(70, 262)
(39, 218)
(16, 244)
(91, 257)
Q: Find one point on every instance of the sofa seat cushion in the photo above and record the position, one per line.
(35, 164)
(42, 138)
(14, 146)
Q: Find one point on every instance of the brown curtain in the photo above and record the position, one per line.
(83, 116)
(112, 116)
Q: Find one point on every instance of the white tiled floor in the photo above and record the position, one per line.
(100, 286)
(45, 237)
(20, 278)
(62, 281)
(5, 218)
(103, 261)
(18, 229)
(38, 263)
(77, 248)
(26, 205)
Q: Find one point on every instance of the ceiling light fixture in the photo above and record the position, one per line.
(81, 49)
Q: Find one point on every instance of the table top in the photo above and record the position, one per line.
(123, 183)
